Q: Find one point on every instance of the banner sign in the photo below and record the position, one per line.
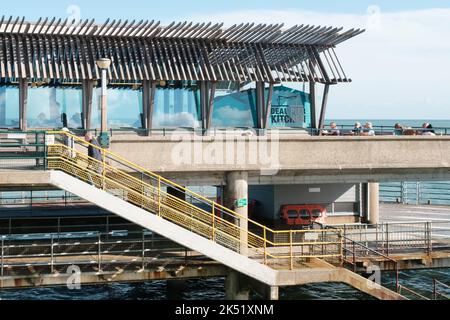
(287, 116)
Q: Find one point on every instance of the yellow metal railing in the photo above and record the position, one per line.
(221, 225)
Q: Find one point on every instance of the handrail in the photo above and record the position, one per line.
(217, 205)
(401, 287)
(182, 212)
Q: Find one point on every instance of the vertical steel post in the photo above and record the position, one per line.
(291, 255)
(354, 256)
(104, 170)
(429, 229)
(143, 249)
(159, 196)
(99, 253)
(52, 254)
(341, 249)
(265, 245)
(387, 239)
(213, 223)
(434, 289)
(397, 280)
(3, 254)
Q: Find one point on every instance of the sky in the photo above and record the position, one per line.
(400, 66)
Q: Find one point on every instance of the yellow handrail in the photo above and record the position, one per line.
(160, 177)
(177, 210)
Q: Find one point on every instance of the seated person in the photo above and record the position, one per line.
(334, 131)
(357, 129)
(368, 130)
(427, 130)
(398, 130)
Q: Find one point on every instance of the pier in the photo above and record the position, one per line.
(204, 113)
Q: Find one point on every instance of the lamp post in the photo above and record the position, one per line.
(104, 64)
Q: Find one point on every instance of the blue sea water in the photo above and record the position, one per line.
(213, 289)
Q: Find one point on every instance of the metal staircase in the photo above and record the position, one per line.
(195, 213)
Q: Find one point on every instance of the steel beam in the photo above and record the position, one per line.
(312, 95)
(23, 101)
(260, 104)
(148, 101)
(87, 95)
(324, 106)
(268, 111)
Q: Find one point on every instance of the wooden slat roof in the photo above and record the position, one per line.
(145, 50)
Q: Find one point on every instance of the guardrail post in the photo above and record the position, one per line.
(104, 170)
(213, 223)
(143, 250)
(99, 253)
(159, 196)
(387, 239)
(428, 237)
(354, 256)
(397, 280)
(3, 254)
(290, 251)
(341, 249)
(265, 245)
(434, 289)
(52, 262)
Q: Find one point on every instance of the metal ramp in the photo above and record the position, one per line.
(189, 219)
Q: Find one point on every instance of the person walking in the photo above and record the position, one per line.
(94, 153)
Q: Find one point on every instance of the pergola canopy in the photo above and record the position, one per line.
(56, 50)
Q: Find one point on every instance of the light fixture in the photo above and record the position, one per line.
(162, 83)
(104, 63)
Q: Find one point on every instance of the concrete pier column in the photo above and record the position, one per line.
(236, 287)
(272, 293)
(236, 198)
(373, 190)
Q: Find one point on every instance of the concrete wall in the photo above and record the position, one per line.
(272, 198)
(288, 159)
(265, 196)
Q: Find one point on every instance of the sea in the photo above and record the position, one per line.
(420, 281)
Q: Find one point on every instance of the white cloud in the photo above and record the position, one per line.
(228, 116)
(400, 66)
(181, 119)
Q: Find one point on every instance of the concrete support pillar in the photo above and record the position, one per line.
(272, 293)
(175, 289)
(236, 287)
(236, 198)
(373, 190)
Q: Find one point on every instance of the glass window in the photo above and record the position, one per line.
(233, 108)
(9, 107)
(124, 107)
(47, 104)
(177, 105)
(304, 214)
(292, 214)
(316, 213)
